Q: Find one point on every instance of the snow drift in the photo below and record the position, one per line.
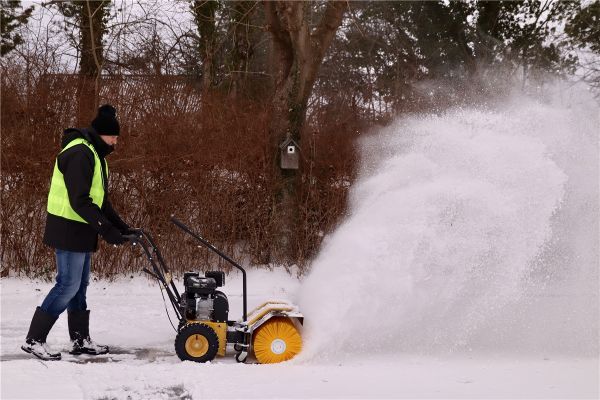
(471, 230)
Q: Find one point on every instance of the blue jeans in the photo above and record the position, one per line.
(71, 283)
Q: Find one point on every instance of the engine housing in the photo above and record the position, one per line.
(201, 300)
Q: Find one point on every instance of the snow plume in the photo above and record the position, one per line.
(470, 230)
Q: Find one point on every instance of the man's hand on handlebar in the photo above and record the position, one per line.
(133, 234)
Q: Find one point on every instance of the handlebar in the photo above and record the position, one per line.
(212, 248)
(160, 271)
(132, 238)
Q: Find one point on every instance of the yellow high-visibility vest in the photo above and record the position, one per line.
(58, 198)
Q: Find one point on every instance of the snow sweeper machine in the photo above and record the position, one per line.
(270, 332)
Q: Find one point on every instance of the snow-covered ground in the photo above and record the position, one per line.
(467, 268)
(129, 315)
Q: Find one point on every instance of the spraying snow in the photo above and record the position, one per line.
(475, 229)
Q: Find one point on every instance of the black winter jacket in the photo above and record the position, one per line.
(77, 167)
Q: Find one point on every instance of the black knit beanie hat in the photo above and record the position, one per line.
(106, 122)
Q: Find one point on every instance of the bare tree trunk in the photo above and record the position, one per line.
(298, 54)
(92, 27)
(204, 12)
(243, 46)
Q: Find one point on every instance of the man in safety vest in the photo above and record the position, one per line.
(78, 210)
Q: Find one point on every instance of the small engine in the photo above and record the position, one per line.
(201, 300)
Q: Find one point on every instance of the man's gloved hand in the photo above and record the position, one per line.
(113, 236)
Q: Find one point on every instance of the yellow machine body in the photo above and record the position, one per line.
(220, 328)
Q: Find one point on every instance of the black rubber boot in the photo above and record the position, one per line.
(35, 343)
(79, 331)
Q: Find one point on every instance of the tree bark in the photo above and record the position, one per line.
(243, 46)
(204, 12)
(92, 15)
(298, 52)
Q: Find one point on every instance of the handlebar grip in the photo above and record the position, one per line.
(132, 238)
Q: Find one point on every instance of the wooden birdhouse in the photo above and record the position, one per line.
(289, 154)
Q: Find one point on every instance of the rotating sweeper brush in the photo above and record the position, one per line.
(271, 331)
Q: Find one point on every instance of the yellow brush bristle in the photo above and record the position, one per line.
(276, 341)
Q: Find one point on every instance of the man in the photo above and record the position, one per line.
(78, 210)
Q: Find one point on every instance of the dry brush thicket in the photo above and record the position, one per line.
(204, 158)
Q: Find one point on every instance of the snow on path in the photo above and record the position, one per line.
(130, 314)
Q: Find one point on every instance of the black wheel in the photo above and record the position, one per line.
(197, 342)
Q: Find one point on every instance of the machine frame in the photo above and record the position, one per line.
(237, 333)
